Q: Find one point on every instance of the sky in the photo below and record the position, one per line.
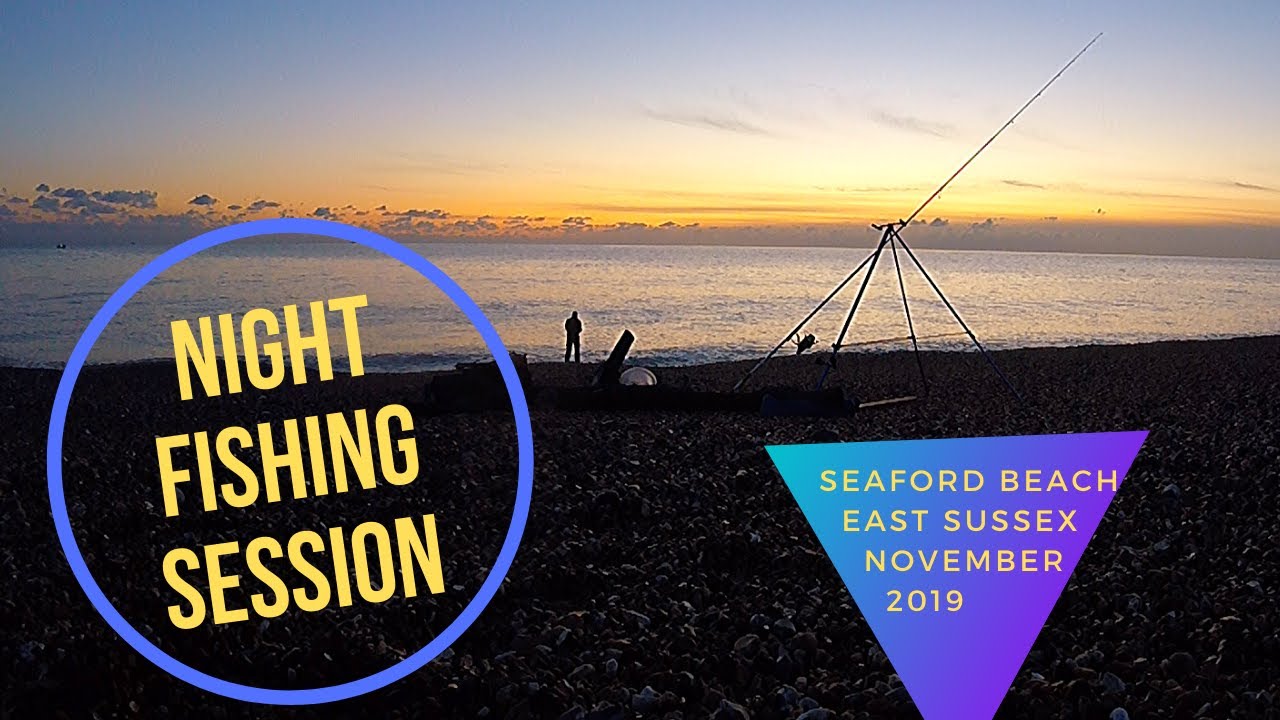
(649, 122)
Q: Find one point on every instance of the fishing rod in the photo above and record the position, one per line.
(1004, 127)
(891, 235)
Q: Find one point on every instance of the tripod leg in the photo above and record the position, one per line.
(990, 361)
(848, 320)
(803, 322)
(911, 329)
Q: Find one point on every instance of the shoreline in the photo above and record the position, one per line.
(745, 362)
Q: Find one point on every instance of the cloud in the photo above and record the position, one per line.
(76, 215)
(1144, 194)
(1046, 139)
(79, 198)
(87, 205)
(42, 188)
(869, 189)
(235, 207)
(1250, 186)
(15, 200)
(726, 122)
(762, 208)
(437, 163)
(260, 205)
(322, 212)
(436, 214)
(143, 199)
(480, 224)
(1024, 184)
(203, 200)
(911, 124)
(46, 203)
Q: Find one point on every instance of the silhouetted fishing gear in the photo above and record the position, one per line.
(992, 139)
(891, 236)
(901, 338)
(804, 343)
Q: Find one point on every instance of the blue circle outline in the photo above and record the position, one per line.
(308, 696)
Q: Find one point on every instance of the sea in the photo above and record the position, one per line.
(683, 304)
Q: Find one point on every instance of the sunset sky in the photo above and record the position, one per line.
(539, 121)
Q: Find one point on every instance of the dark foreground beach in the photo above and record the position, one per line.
(665, 571)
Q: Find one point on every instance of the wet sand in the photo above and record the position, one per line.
(665, 571)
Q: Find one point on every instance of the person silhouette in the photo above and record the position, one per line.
(572, 337)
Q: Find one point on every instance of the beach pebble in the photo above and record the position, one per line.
(1180, 665)
(730, 711)
(606, 711)
(1111, 683)
(786, 697)
(747, 646)
(574, 713)
(824, 435)
(645, 701)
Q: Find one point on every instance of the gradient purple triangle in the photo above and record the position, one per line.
(958, 664)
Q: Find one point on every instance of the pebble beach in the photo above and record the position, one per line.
(665, 571)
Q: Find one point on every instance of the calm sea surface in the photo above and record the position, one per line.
(685, 304)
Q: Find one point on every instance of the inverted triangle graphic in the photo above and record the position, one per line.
(957, 664)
